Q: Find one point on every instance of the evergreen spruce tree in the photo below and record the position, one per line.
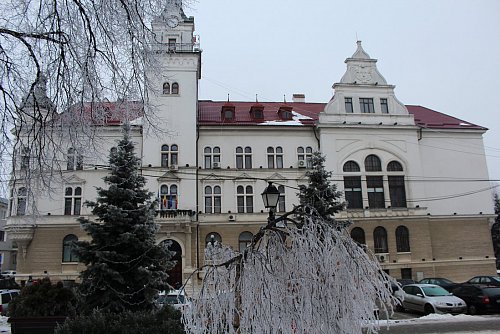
(320, 193)
(125, 266)
(495, 230)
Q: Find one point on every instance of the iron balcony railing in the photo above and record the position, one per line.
(177, 47)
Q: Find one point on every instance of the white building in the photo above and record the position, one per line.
(423, 207)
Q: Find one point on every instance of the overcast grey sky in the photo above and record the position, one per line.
(441, 54)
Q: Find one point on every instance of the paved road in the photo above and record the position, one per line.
(487, 324)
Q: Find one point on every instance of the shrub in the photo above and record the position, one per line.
(44, 299)
(166, 320)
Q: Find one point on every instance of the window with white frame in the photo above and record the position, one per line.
(281, 199)
(384, 106)
(244, 240)
(352, 185)
(366, 105)
(175, 88)
(348, 105)
(168, 197)
(22, 201)
(25, 158)
(243, 157)
(305, 154)
(397, 191)
(166, 88)
(69, 245)
(244, 199)
(402, 239)
(74, 160)
(374, 183)
(380, 240)
(211, 157)
(274, 157)
(213, 199)
(169, 155)
(72, 201)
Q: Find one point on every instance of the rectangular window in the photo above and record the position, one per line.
(375, 188)
(77, 206)
(241, 204)
(171, 44)
(67, 205)
(406, 273)
(384, 106)
(2, 235)
(164, 160)
(208, 161)
(352, 191)
(366, 105)
(348, 105)
(249, 204)
(397, 191)
(270, 161)
(239, 161)
(217, 204)
(248, 161)
(208, 204)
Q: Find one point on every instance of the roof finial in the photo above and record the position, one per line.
(284, 98)
(227, 97)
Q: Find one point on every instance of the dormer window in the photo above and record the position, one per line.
(257, 111)
(285, 113)
(228, 112)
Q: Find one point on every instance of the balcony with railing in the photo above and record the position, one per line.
(177, 47)
(175, 214)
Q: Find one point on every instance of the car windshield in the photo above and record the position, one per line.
(435, 291)
(171, 299)
(496, 278)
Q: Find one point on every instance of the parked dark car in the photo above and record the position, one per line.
(442, 282)
(405, 281)
(488, 280)
(479, 298)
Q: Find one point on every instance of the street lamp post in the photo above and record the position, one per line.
(271, 196)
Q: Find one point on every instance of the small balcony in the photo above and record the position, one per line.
(177, 47)
(184, 215)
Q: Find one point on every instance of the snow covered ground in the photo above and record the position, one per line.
(4, 325)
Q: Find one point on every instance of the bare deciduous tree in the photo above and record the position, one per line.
(59, 56)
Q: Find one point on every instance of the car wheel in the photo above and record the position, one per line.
(472, 310)
(428, 309)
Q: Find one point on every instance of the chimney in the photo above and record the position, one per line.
(299, 98)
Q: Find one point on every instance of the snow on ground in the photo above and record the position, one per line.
(4, 325)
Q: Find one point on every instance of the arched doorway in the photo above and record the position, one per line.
(175, 274)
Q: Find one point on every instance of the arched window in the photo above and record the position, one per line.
(72, 201)
(358, 235)
(213, 200)
(373, 164)
(164, 155)
(352, 186)
(394, 166)
(244, 240)
(213, 238)
(402, 239)
(166, 88)
(212, 157)
(351, 166)
(305, 154)
(22, 198)
(397, 191)
(168, 197)
(244, 157)
(380, 240)
(244, 199)
(175, 88)
(69, 248)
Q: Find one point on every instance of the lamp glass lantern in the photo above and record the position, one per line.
(271, 196)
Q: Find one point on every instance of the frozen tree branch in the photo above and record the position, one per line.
(303, 278)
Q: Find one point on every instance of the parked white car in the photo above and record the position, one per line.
(431, 298)
(8, 273)
(175, 298)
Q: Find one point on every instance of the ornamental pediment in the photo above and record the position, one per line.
(244, 177)
(168, 176)
(74, 179)
(276, 177)
(212, 177)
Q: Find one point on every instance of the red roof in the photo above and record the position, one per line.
(209, 113)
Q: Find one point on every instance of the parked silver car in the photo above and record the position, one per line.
(431, 298)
